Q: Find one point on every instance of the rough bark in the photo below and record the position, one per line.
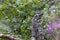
(35, 31)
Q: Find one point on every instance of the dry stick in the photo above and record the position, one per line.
(6, 36)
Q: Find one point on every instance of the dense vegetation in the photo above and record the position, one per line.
(16, 16)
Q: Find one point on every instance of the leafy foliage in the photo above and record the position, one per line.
(17, 15)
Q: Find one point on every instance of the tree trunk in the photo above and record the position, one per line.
(35, 26)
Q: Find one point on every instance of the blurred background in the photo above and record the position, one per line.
(19, 17)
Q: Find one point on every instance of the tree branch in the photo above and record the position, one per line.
(7, 36)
